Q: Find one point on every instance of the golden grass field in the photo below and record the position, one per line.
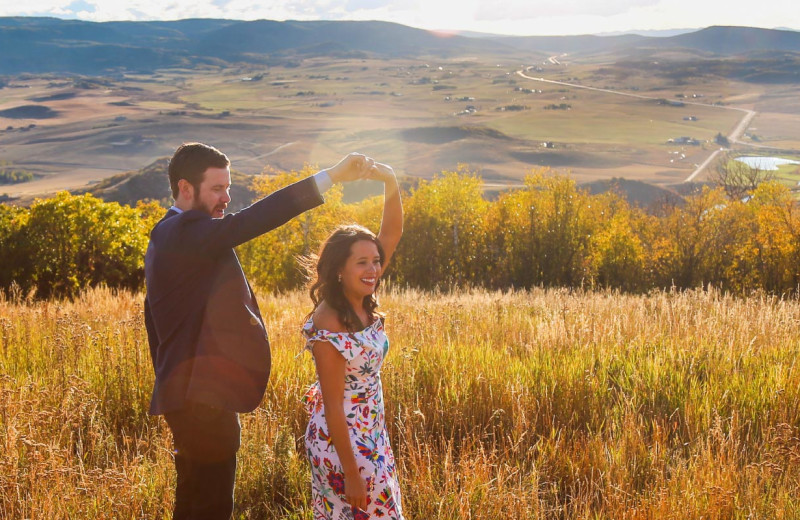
(548, 404)
(324, 108)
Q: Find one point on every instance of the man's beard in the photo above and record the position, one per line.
(200, 205)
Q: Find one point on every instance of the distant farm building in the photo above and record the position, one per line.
(684, 140)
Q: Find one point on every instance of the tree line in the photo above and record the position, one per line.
(10, 175)
(547, 233)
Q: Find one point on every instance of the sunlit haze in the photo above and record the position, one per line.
(521, 17)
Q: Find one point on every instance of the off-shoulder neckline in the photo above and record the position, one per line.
(314, 327)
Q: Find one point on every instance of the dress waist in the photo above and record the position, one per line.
(355, 393)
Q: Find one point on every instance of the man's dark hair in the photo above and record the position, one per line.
(190, 162)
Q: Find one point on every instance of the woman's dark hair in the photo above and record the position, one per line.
(323, 275)
(190, 162)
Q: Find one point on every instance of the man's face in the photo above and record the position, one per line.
(213, 194)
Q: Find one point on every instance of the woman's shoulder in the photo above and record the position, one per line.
(326, 318)
(324, 326)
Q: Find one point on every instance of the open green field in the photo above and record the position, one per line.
(410, 113)
(789, 174)
(527, 405)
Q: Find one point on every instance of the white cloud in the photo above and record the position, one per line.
(527, 10)
(586, 17)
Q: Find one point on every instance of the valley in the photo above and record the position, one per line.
(592, 115)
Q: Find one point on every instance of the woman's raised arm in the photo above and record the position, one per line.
(392, 220)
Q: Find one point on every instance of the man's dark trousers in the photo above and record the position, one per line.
(206, 440)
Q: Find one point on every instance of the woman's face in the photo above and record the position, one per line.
(361, 270)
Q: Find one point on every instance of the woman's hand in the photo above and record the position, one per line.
(392, 220)
(381, 172)
(355, 490)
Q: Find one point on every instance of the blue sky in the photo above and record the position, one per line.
(526, 17)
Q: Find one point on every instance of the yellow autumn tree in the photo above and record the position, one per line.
(542, 232)
(776, 243)
(689, 241)
(67, 243)
(444, 238)
(618, 245)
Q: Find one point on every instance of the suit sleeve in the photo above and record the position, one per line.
(271, 212)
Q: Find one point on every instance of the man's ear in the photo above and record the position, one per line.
(185, 189)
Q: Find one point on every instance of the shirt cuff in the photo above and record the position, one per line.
(323, 181)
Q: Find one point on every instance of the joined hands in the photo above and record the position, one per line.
(353, 167)
(356, 166)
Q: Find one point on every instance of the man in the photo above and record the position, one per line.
(207, 339)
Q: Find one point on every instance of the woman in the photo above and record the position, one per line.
(352, 466)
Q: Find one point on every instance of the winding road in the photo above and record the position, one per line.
(734, 136)
(276, 150)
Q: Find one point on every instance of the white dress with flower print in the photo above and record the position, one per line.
(364, 352)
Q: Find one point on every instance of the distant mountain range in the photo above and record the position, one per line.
(38, 45)
(51, 45)
(717, 40)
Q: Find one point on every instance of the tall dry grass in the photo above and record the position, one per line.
(541, 404)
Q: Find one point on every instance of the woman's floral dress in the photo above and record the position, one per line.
(364, 352)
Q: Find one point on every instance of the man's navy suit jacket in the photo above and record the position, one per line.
(207, 339)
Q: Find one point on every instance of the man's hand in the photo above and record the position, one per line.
(353, 167)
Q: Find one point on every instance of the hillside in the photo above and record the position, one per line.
(41, 45)
(240, 41)
(151, 183)
(637, 193)
(736, 40)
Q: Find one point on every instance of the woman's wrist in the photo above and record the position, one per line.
(352, 472)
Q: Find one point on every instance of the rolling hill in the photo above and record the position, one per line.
(151, 183)
(637, 193)
(728, 41)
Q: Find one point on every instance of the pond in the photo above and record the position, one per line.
(765, 163)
